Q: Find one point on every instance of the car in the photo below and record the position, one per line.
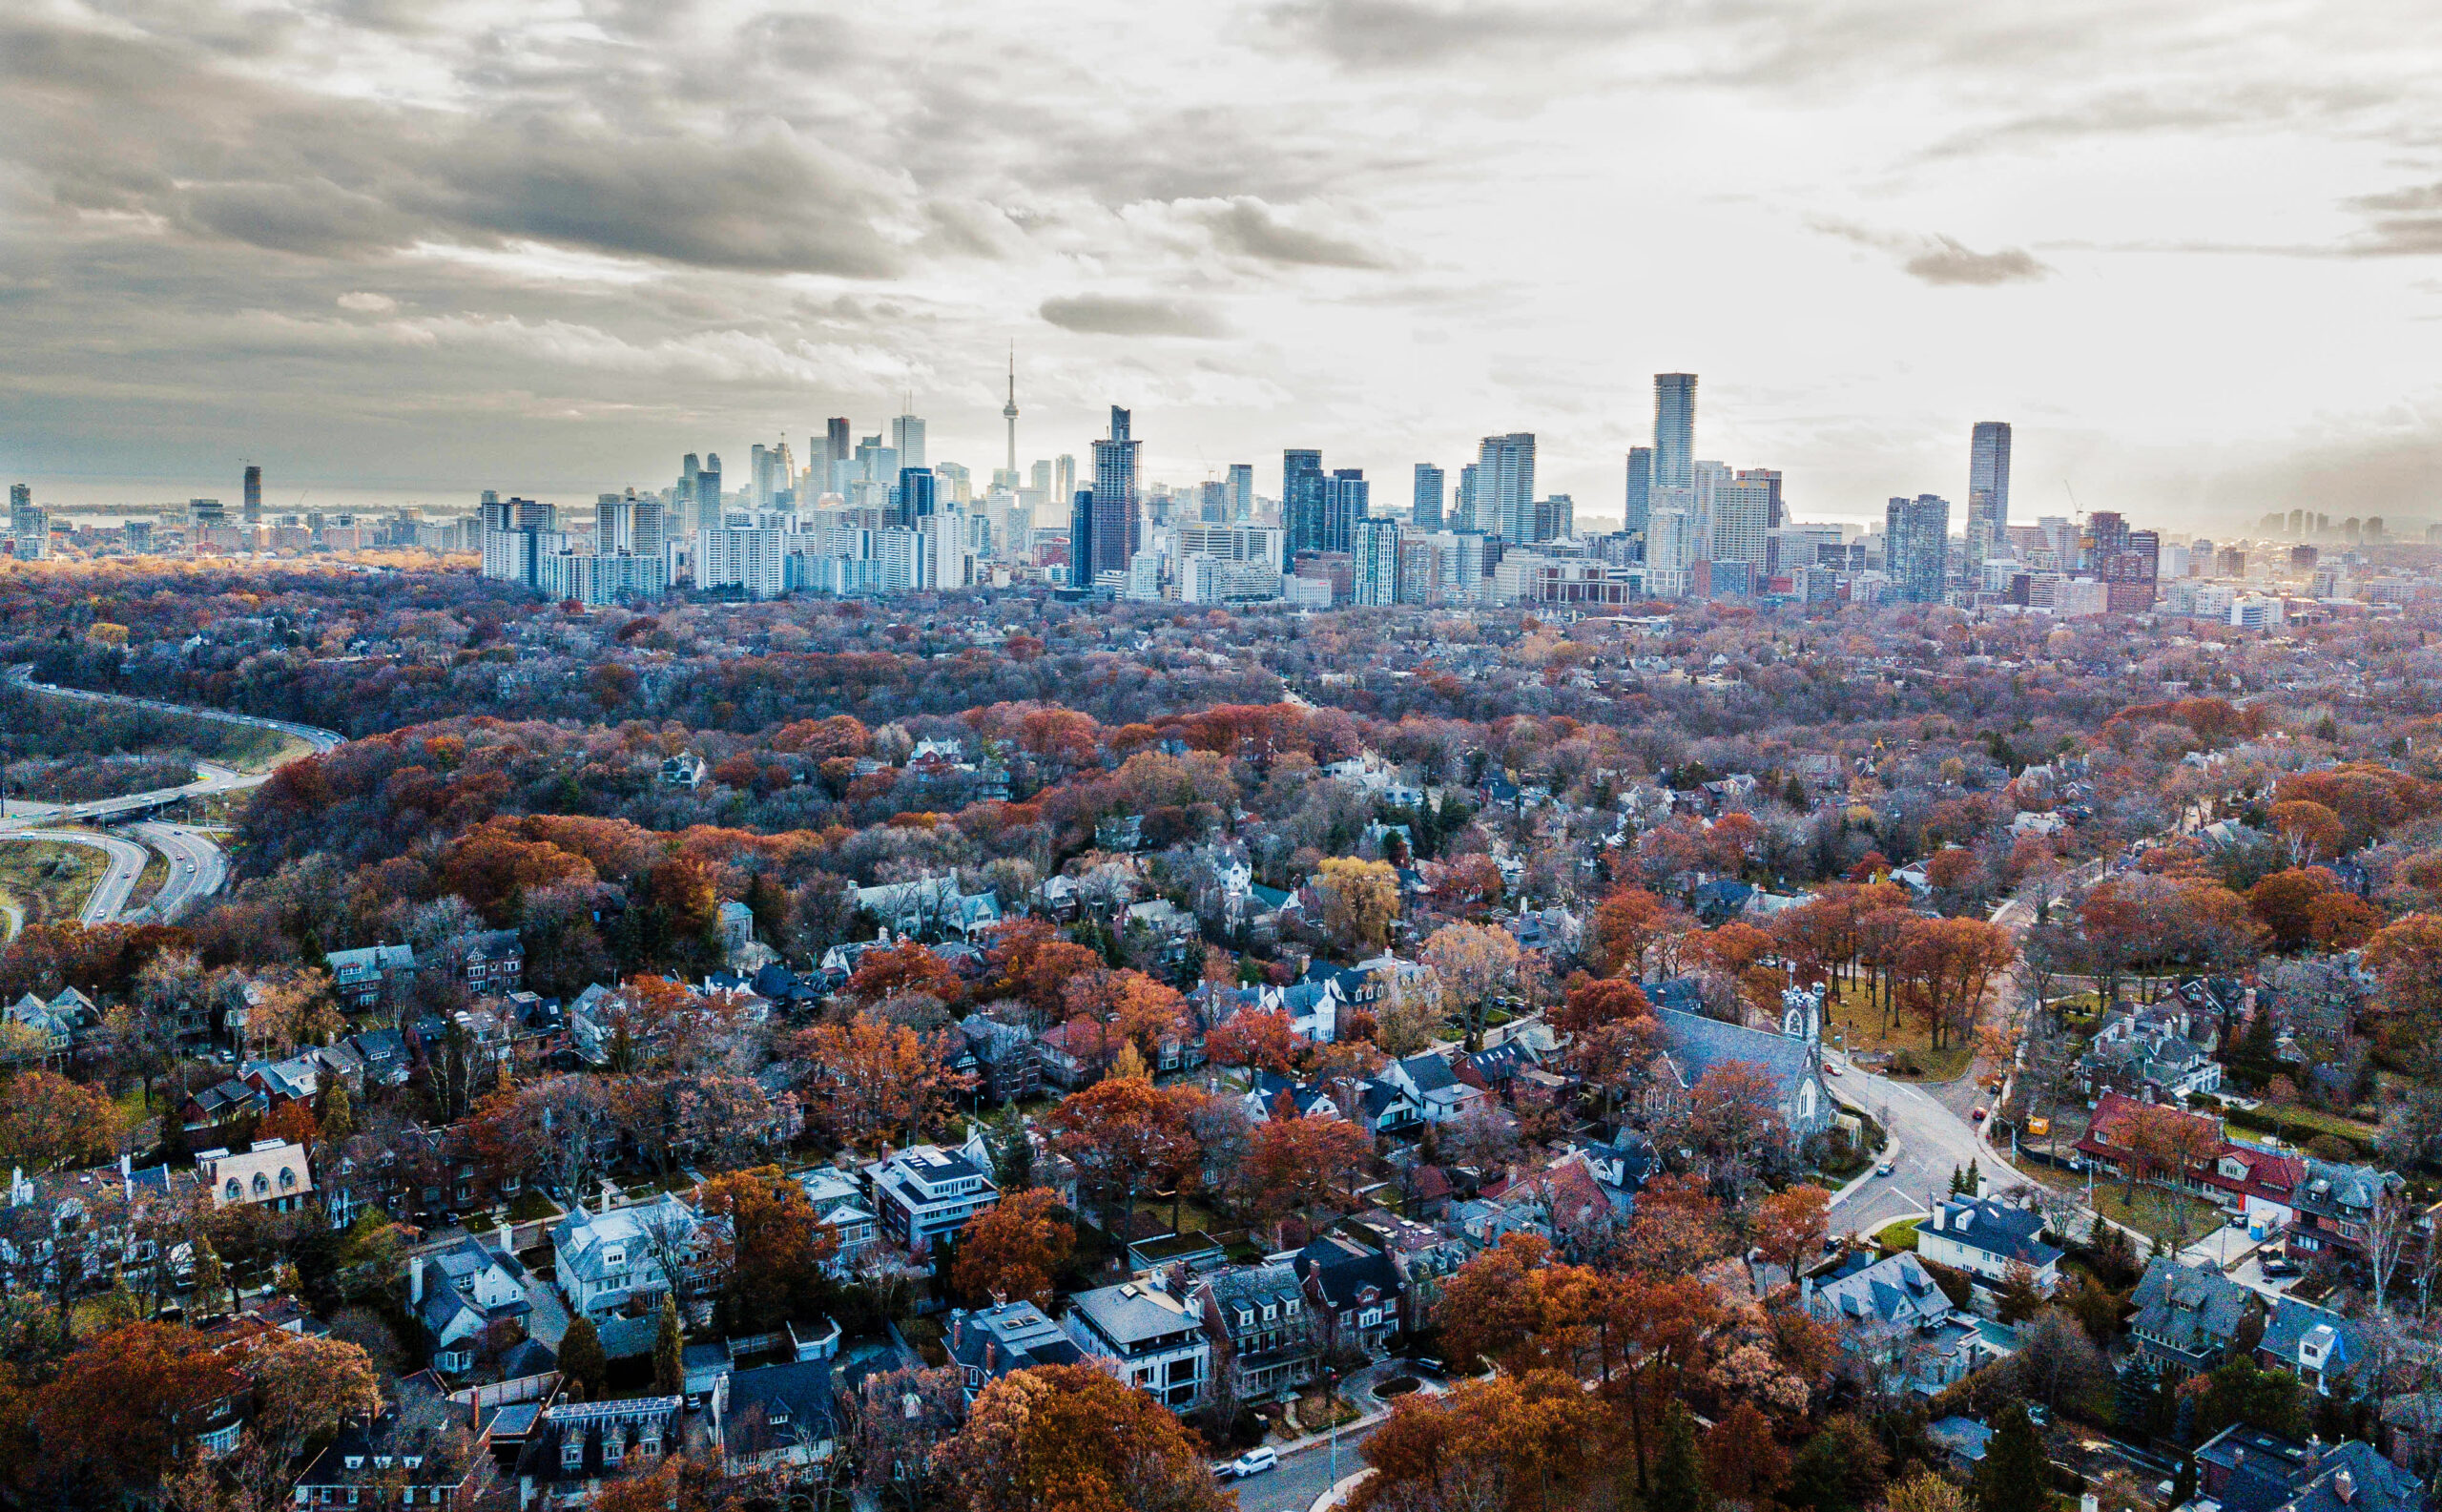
(1830, 1070)
(1883, 1169)
(1978, 1114)
(1255, 1462)
(2278, 1270)
(1429, 1366)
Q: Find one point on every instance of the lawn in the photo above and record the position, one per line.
(148, 882)
(1896, 1236)
(2175, 1217)
(1851, 1021)
(49, 881)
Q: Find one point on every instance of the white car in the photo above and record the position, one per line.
(1255, 1462)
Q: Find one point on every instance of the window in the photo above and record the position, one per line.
(614, 1447)
(571, 1453)
(287, 1179)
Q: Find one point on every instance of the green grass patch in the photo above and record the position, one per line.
(1895, 1237)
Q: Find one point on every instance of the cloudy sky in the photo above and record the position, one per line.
(2192, 248)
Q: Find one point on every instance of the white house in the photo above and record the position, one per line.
(603, 1260)
(925, 1191)
(1985, 1238)
(1155, 1338)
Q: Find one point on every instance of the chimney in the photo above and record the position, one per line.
(958, 1327)
(1806, 1294)
(507, 1239)
(2344, 1485)
(415, 1281)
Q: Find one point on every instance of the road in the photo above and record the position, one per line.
(198, 867)
(1304, 1475)
(1929, 1140)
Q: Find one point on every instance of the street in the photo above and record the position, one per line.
(1304, 1475)
(1928, 1142)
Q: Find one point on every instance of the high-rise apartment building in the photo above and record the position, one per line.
(1639, 499)
(1301, 499)
(708, 491)
(1064, 476)
(913, 497)
(1917, 546)
(1988, 490)
(1555, 518)
(29, 525)
(254, 487)
(1426, 513)
(1347, 501)
(1504, 502)
(1465, 517)
(1674, 429)
(1742, 510)
(1118, 529)
(1375, 546)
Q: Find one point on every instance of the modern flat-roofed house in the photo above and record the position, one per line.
(1155, 1337)
(925, 1191)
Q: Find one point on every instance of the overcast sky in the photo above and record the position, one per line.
(2192, 248)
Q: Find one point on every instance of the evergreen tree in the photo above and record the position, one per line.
(1678, 1475)
(2132, 1404)
(1958, 1181)
(1975, 1180)
(582, 1361)
(338, 1115)
(1012, 1153)
(2014, 1477)
(668, 1352)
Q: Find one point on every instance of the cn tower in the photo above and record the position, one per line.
(1009, 413)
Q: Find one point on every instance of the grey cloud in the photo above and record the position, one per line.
(1399, 34)
(1249, 227)
(316, 218)
(1116, 315)
(2403, 222)
(1941, 259)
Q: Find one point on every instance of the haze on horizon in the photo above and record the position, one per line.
(2188, 247)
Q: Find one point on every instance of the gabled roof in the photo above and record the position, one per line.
(2301, 1334)
(1340, 1268)
(1697, 1044)
(2195, 1310)
(1428, 1073)
(1995, 1228)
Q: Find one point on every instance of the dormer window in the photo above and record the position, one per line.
(262, 1184)
(571, 1452)
(232, 1191)
(614, 1447)
(356, 1462)
(287, 1178)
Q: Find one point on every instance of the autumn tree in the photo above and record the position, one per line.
(47, 1121)
(864, 1079)
(110, 1422)
(905, 969)
(1361, 901)
(1075, 1437)
(1013, 1250)
(764, 1247)
(1492, 1306)
(1513, 1442)
(1789, 1225)
(2405, 957)
(1943, 968)
(1305, 1165)
(1255, 1038)
(552, 1130)
(1626, 920)
(1474, 963)
(1590, 1003)
(1123, 1134)
(2284, 903)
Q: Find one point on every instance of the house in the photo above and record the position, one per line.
(993, 1341)
(2244, 1468)
(387, 1060)
(1791, 1060)
(2113, 1137)
(924, 1191)
(467, 1294)
(105, 1241)
(270, 1173)
(1155, 1337)
(1424, 1257)
(421, 1449)
(575, 1448)
(2146, 1053)
(737, 928)
(2187, 1317)
(46, 1034)
(1076, 1053)
(774, 1417)
(1897, 1317)
(1354, 1291)
(1963, 1441)
(685, 770)
(361, 978)
(1263, 1336)
(495, 963)
(2339, 1208)
(926, 907)
(1421, 1089)
(1986, 1238)
(2256, 1183)
(1008, 1060)
(619, 1260)
(1273, 1095)
(2330, 1353)
(838, 1200)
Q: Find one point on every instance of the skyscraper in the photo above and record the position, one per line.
(1080, 539)
(1988, 488)
(759, 476)
(1426, 514)
(708, 493)
(838, 448)
(913, 497)
(1116, 526)
(1917, 546)
(1743, 508)
(1465, 518)
(1242, 493)
(1504, 495)
(1376, 576)
(682, 500)
(1674, 429)
(1347, 500)
(1639, 505)
(254, 487)
(1301, 499)
(907, 439)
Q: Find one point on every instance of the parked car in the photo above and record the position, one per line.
(1883, 1169)
(1255, 1462)
(1978, 1114)
(2277, 1270)
(1429, 1366)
